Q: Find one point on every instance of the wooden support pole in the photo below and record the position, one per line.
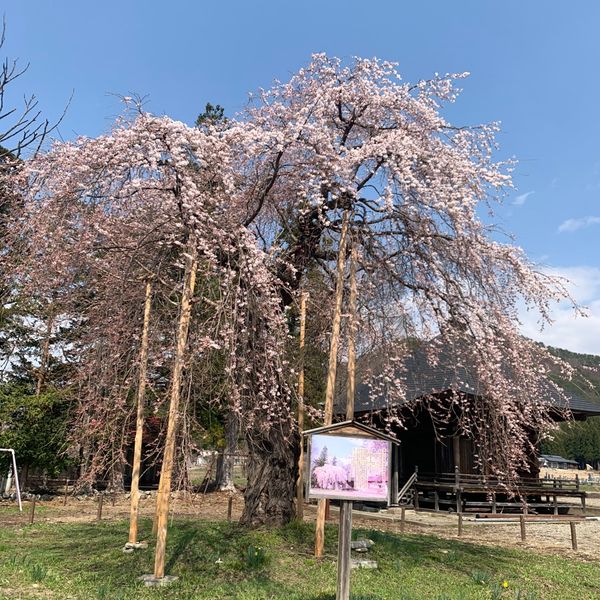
(45, 352)
(573, 535)
(99, 513)
(331, 372)
(32, 511)
(300, 480)
(345, 534)
(523, 532)
(460, 524)
(494, 508)
(139, 422)
(337, 319)
(352, 327)
(166, 473)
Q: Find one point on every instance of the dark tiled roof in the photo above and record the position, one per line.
(422, 379)
(554, 458)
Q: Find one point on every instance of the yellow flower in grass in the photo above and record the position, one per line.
(505, 584)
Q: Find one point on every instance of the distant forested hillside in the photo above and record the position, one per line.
(579, 441)
(586, 379)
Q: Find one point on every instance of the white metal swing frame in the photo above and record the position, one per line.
(16, 474)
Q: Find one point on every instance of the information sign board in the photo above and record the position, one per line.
(349, 467)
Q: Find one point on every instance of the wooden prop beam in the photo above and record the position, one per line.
(331, 372)
(345, 532)
(139, 423)
(166, 473)
(352, 327)
(300, 480)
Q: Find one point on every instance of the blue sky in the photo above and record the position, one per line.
(533, 65)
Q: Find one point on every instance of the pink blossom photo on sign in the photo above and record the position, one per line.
(349, 468)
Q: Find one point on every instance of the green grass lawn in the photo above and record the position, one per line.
(219, 560)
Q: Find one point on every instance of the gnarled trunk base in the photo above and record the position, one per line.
(272, 471)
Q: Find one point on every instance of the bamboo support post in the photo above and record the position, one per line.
(331, 372)
(300, 480)
(164, 488)
(139, 423)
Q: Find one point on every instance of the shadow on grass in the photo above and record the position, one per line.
(184, 540)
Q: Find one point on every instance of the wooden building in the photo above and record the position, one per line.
(443, 459)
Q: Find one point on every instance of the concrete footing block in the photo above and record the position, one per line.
(128, 548)
(363, 564)
(151, 581)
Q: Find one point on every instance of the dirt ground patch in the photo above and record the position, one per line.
(546, 538)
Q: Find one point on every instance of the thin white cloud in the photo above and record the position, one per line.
(522, 198)
(571, 225)
(575, 333)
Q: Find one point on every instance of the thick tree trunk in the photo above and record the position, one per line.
(225, 464)
(272, 467)
(116, 481)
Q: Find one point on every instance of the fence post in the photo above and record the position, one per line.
(32, 511)
(402, 519)
(573, 535)
(99, 513)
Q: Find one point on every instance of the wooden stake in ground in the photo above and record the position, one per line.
(166, 473)
(333, 349)
(344, 563)
(300, 480)
(139, 423)
(32, 511)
